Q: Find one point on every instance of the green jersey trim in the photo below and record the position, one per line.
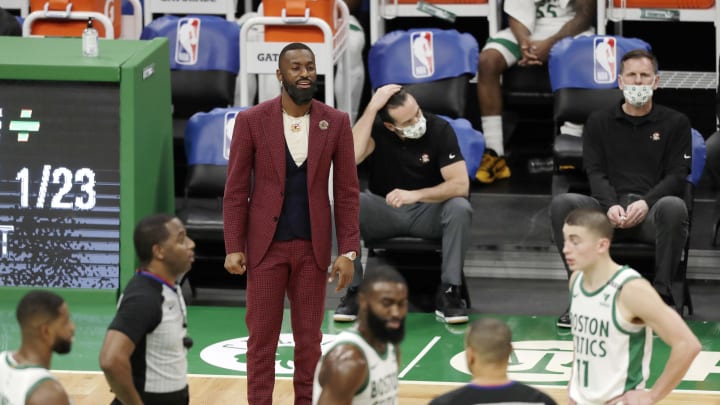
(35, 386)
(636, 349)
(600, 289)
(615, 309)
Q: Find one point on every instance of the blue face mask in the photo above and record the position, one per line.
(416, 130)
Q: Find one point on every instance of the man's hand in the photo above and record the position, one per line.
(235, 263)
(344, 269)
(382, 95)
(617, 216)
(636, 213)
(538, 52)
(398, 197)
(527, 55)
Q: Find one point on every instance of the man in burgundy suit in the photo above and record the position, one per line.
(277, 218)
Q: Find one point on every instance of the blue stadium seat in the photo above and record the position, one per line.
(207, 146)
(204, 60)
(434, 65)
(471, 141)
(204, 63)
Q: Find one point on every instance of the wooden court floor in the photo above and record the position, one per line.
(432, 356)
(92, 389)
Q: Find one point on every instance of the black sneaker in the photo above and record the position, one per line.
(564, 320)
(347, 310)
(450, 305)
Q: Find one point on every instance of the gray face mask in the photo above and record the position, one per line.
(416, 130)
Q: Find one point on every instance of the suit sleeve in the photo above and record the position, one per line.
(346, 191)
(237, 186)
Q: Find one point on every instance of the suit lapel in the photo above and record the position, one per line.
(274, 135)
(318, 133)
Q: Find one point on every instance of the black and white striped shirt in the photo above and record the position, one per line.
(152, 314)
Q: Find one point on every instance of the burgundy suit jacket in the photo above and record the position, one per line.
(255, 186)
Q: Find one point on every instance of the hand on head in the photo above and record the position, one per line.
(382, 95)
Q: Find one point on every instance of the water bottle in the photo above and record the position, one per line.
(90, 40)
(540, 165)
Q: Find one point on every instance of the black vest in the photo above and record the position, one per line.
(294, 221)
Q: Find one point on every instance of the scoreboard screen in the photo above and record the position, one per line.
(59, 184)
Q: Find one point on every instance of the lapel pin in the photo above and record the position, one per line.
(323, 125)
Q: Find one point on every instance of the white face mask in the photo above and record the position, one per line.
(416, 130)
(637, 94)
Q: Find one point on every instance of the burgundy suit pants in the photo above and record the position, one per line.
(288, 267)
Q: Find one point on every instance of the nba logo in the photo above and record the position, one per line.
(605, 58)
(423, 58)
(228, 132)
(188, 38)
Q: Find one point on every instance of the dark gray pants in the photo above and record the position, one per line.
(450, 220)
(666, 225)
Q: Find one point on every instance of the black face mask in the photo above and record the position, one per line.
(299, 96)
(382, 332)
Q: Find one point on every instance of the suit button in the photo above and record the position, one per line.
(282, 194)
(275, 219)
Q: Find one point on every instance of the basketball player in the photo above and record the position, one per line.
(614, 312)
(362, 365)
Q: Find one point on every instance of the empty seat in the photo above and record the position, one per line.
(204, 63)
(207, 145)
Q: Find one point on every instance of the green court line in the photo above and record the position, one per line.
(431, 352)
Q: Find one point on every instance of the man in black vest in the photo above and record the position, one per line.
(276, 213)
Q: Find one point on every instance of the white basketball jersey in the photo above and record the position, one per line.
(381, 386)
(554, 9)
(612, 355)
(542, 17)
(18, 382)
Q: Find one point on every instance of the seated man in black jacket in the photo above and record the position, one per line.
(418, 186)
(637, 156)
